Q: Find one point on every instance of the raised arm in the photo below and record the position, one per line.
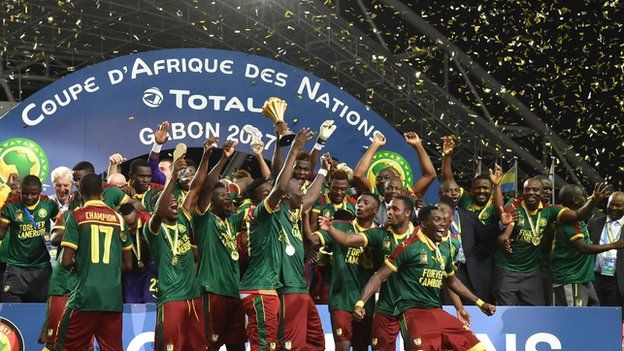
(448, 145)
(325, 131)
(164, 200)
(314, 191)
(496, 178)
(359, 173)
(428, 171)
(280, 187)
(601, 191)
(213, 177)
(160, 137)
(257, 148)
(278, 153)
(190, 201)
(339, 236)
(113, 162)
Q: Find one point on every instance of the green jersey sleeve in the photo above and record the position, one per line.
(324, 237)
(374, 237)
(71, 237)
(554, 212)
(113, 196)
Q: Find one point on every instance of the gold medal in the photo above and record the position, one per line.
(234, 255)
(536, 240)
(174, 260)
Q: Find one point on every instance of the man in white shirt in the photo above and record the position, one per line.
(609, 266)
(63, 183)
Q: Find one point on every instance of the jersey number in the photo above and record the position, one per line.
(96, 230)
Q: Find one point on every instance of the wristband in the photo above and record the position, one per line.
(359, 303)
(322, 172)
(156, 147)
(318, 146)
(480, 303)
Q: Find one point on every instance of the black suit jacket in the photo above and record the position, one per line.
(595, 226)
(469, 226)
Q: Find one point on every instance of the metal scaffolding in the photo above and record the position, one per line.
(42, 41)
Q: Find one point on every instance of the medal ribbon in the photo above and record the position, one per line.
(174, 244)
(534, 227)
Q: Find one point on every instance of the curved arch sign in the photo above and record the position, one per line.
(115, 105)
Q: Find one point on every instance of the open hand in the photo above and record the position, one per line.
(162, 133)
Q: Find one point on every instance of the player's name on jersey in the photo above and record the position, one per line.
(27, 230)
(431, 278)
(99, 216)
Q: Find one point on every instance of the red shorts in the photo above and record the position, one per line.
(54, 314)
(385, 331)
(225, 320)
(78, 328)
(434, 329)
(301, 324)
(180, 325)
(262, 320)
(345, 328)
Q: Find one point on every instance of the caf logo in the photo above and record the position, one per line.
(152, 97)
(24, 157)
(384, 159)
(11, 338)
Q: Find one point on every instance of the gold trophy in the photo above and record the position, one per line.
(274, 108)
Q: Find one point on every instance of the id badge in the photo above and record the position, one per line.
(607, 266)
(461, 258)
(51, 249)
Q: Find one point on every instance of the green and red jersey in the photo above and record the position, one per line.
(172, 251)
(526, 255)
(569, 265)
(384, 241)
(146, 197)
(219, 271)
(292, 275)
(27, 226)
(62, 281)
(422, 267)
(264, 248)
(485, 213)
(351, 269)
(99, 235)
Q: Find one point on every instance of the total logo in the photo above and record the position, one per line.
(152, 97)
(11, 338)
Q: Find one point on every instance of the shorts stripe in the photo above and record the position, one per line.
(404, 330)
(260, 319)
(160, 319)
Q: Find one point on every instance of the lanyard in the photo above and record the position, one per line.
(137, 236)
(456, 224)
(534, 227)
(610, 237)
(30, 218)
(174, 243)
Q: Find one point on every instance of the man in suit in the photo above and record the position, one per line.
(609, 266)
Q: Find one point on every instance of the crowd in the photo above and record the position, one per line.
(233, 258)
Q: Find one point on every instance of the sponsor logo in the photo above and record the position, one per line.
(152, 97)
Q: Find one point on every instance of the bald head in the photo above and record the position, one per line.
(450, 192)
(117, 180)
(615, 206)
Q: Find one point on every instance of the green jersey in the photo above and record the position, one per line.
(5, 191)
(383, 242)
(28, 225)
(292, 275)
(569, 265)
(178, 193)
(324, 207)
(63, 280)
(172, 251)
(219, 272)
(485, 213)
(99, 235)
(450, 246)
(111, 195)
(422, 266)
(146, 197)
(526, 255)
(351, 269)
(264, 248)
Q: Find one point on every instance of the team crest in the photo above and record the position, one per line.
(42, 213)
(272, 346)
(375, 341)
(417, 341)
(215, 337)
(19, 216)
(181, 228)
(288, 345)
(7, 288)
(543, 222)
(11, 338)
(339, 331)
(169, 347)
(423, 258)
(50, 332)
